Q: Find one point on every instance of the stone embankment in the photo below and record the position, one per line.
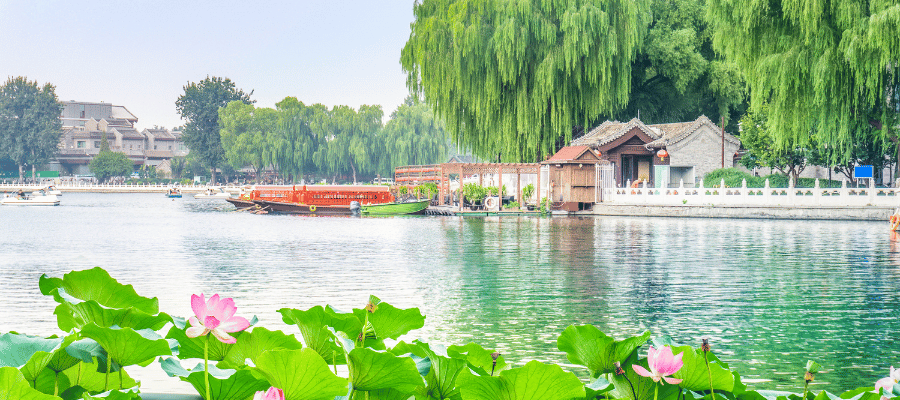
(852, 213)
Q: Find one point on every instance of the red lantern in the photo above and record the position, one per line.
(662, 154)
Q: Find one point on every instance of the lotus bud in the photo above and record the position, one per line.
(705, 346)
(619, 370)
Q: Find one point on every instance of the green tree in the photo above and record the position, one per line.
(821, 66)
(30, 127)
(199, 105)
(676, 75)
(516, 76)
(349, 145)
(757, 138)
(247, 135)
(413, 136)
(298, 137)
(109, 163)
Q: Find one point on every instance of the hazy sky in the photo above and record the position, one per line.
(140, 54)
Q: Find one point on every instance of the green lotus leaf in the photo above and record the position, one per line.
(388, 394)
(586, 345)
(389, 321)
(224, 384)
(694, 374)
(313, 325)
(252, 344)
(373, 370)
(479, 359)
(440, 382)
(13, 386)
(86, 350)
(640, 387)
(863, 393)
(534, 381)
(86, 375)
(193, 347)
(302, 374)
(70, 316)
(114, 395)
(598, 389)
(16, 350)
(96, 284)
(126, 346)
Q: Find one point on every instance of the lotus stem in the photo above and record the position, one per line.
(655, 391)
(709, 374)
(106, 385)
(333, 361)
(120, 378)
(78, 378)
(206, 366)
(55, 384)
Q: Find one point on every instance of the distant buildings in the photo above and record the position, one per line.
(84, 124)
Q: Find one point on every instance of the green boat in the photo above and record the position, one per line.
(410, 208)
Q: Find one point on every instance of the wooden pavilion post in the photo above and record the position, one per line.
(537, 190)
(519, 187)
(459, 194)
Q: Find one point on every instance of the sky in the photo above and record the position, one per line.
(140, 54)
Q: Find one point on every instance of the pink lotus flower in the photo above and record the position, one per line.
(662, 363)
(217, 316)
(272, 394)
(889, 382)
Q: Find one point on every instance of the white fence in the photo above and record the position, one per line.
(82, 186)
(766, 196)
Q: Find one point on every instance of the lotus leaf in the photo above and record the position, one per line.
(313, 325)
(70, 316)
(440, 383)
(87, 376)
(373, 370)
(598, 388)
(863, 393)
(224, 384)
(16, 350)
(586, 345)
(86, 350)
(126, 346)
(252, 344)
(389, 321)
(479, 359)
(13, 386)
(96, 284)
(114, 395)
(695, 375)
(193, 347)
(534, 381)
(302, 374)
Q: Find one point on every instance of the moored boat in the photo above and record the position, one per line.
(48, 190)
(20, 199)
(173, 193)
(212, 193)
(317, 199)
(408, 208)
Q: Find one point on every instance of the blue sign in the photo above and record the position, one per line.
(863, 171)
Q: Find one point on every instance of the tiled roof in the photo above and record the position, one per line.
(128, 133)
(674, 133)
(160, 134)
(662, 134)
(569, 153)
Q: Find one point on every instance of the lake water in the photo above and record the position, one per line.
(769, 294)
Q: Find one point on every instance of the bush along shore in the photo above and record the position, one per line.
(224, 356)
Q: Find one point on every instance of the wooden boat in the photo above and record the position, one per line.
(409, 208)
(317, 199)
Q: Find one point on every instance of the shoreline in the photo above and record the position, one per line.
(844, 213)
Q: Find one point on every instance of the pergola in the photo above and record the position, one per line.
(464, 169)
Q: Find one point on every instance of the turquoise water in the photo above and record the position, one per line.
(769, 294)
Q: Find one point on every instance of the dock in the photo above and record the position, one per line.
(455, 211)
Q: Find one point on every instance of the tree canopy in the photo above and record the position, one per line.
(199, 105)
(821, 66)
(516, 76)
(30, 127)
(109, 163)
(413, 136)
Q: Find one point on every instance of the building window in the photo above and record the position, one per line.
(154, 147)
(129, 147)
(96, 144)
(81, 144)
(170, 147)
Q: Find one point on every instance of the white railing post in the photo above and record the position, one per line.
(817, 193)
(767, 193)
(744, 194)
(701, 194)
(722, 197)
(792, 197)
(872, 195)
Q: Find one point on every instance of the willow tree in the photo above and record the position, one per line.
(515, 76)
(822, 66)
(413, 136)
(349, 144)
(247, 134)
(300, 134)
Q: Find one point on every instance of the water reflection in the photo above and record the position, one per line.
(769, 294)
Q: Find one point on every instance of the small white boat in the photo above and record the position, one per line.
(21, 199)
(213, 193)
(49, 190)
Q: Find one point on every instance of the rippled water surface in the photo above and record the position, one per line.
(768, 294)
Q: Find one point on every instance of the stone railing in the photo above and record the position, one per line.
(82, 186)
(766, 196)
